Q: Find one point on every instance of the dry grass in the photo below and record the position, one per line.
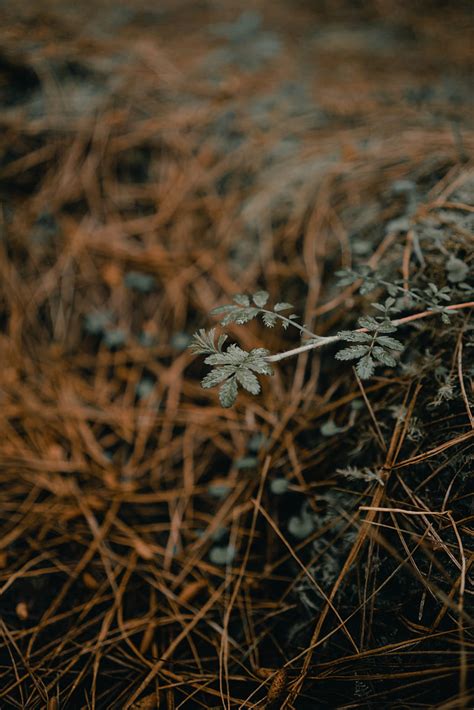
(127, 147)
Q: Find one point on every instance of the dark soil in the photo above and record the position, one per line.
(312, 547)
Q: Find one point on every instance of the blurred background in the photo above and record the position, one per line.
(156, 158)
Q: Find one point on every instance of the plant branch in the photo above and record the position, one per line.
(300, 327)
(327, 340)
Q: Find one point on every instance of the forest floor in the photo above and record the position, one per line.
(312, 546)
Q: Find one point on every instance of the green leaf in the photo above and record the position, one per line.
(240, 316)
(228, 393)
(354, 337)
(222, 555)
(260, 366)
(368, 287)
(456, 269)
(259, 352)
(301, 526)
(352, 353)
(269, 319)
(383, 356)
(203, 341)
(330, 428)
(282, 307)
(279, 486)
(246, 462)
(260, 298)
(365, 367)
(248, 380)
(368, 322)
(216, 376)
(391, 343)
(387, 326)
(232, 356)
(242, 299)
(223, 309)
(346, 277)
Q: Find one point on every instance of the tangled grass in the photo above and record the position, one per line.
(310, 547)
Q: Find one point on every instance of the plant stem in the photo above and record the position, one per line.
(301, 328)
(326, 340)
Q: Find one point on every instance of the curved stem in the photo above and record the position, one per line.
(326, 340)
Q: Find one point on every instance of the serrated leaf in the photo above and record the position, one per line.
(203, 341)
(240, 316)
(353, 336)
(364, 474)
(391, 343)
(387, 327)
(238, 355)
(259, 352)
(260, 366)
(232, 356)
(216, 376)
(242, 299)
(368, 322)
(269, 319)
(248, 380)
(352, 353)
(223, 309)
(260, 298)
(384, 356)
(228, 393)
(365, 367)
(282, 307)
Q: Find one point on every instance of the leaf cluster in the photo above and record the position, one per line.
(372, 346)
(245, 308)
(232, 368)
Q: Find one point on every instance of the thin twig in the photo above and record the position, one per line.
(323, 340)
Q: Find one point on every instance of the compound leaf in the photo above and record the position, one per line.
(228, 393)
(365, 367)
(352, 353)
(260, 298)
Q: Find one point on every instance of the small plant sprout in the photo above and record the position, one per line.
(371, 345)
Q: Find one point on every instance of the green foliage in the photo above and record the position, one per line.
(362, 474)
(374, 347)
(140, 282)
(232, 367)
(246, 308)
(456, 269)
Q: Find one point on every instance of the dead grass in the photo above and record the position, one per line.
(126, 149)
